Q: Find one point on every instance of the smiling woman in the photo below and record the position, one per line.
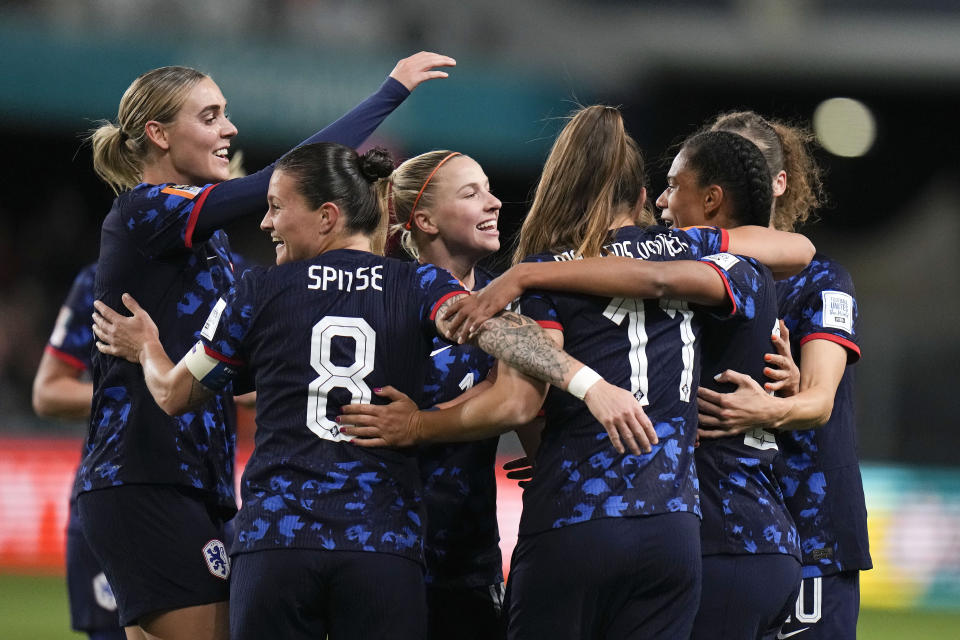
(167, 159)
(447, 216)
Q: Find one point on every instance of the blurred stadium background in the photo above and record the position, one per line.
(288, 67)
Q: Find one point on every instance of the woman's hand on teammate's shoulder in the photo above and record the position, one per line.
(467, 313)
(419, 67)
(382, 425)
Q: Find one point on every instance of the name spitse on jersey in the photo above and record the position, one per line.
(310, 337)
(818, 469)
(646, 346)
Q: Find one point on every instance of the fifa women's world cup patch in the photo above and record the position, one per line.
(723, 260)
(837, 311)
(218, 562)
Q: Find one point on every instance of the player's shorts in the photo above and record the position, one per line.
(636, 577)
(301, 594)
(827, 608)
(746, 595)
(160, 546)
(92, 604)
(467, 613)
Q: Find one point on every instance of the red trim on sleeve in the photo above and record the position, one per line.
(74, 362)
(849, 345)
(550, 324)
(222, 358)
(724, 241)
(192, 221)
(726, 285)
(436, 307)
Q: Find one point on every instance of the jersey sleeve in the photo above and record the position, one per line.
(538, 305)
(829, 311)
(435, 286)
(742, 280)
(72, 338)
(703, 241)
(169, 217)
(218, 358)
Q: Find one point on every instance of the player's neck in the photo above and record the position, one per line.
(356, 242)
(460, 266)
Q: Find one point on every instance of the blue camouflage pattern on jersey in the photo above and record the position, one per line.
(461, 547)
(73, 336)
(304, 486)
(578, 475)
(819, 469)
(743, 507)
(147, 249)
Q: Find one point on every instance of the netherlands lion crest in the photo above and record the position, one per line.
(218, 562)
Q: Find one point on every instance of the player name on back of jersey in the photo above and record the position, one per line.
(660, 245)
(324, 278)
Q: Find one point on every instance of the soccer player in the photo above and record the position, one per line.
(328, 540)
(751, 558)
(61, 390)
(449, 219)
(642, 571)
(167, 157)
(816, 429)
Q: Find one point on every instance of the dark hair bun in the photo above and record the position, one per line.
(376, 163)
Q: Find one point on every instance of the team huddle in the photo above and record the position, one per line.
(681, 388)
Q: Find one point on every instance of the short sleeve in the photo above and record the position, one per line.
(162, 218)
(435, 286)
(829, 311)
(538, 305)
(219, 356)
(742, 278)
(72, 338)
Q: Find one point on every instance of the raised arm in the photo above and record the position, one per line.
(236, 198)
(136, 339)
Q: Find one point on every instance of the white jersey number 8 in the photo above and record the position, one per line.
(333, 376)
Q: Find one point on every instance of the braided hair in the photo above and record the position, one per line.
(787, 147)
(737, 166)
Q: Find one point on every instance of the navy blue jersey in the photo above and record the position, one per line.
(312, 336)
(649, 347)
(461, 547)
(743, 508)
(72, 338)
(819, 470)
(162, 244)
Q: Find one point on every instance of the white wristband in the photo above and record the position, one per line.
(581, 382)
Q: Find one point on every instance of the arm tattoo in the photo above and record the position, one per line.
(521, 343)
